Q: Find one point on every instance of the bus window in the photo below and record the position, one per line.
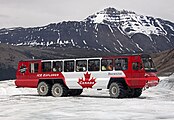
(148, 64)
(69, 66)
(57, 66)
(46, 66)
(107, 65)
(137, 66)
(81, 65)
(94, 65)
(121, 64)
(34, 67)
(23, 69)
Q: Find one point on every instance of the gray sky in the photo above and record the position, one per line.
(25, 13)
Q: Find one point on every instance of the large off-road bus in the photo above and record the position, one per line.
(123, 75)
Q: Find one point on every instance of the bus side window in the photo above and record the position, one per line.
(69, 66)
(81, 65)
(57, 66)
(94, 65)
(121, 64)
(46, 66)
(23, 69)
(135, 66)
(34, 67)
(107, 65)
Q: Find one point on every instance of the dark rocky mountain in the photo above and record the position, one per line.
(108, 30)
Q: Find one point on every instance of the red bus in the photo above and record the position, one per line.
(123, 75)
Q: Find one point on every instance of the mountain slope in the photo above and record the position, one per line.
(108, 30)
(164, 62)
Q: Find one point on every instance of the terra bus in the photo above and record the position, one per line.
(124, 76)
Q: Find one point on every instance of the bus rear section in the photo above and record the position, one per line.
(124, 76)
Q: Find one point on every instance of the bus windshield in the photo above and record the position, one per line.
(149, 65)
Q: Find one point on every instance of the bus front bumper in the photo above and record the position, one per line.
(151, 83)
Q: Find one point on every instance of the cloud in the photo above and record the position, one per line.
(4, 16)
(27, 13)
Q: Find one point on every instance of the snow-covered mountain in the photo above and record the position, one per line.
(129, 23)
(109, 30)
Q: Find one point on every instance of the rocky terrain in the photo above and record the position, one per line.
(164, 62)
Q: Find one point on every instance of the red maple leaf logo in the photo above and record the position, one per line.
(87, 82)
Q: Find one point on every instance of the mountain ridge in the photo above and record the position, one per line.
(117, 31)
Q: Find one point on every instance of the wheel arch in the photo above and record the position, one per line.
(119, 80)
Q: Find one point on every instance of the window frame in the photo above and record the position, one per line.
(122, 66)
(34, 63)
(99, 66)
(84, 68)
(107, 67)
(50, 69)
(65, 63)
(58, 68)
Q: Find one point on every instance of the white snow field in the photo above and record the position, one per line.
(25, 104)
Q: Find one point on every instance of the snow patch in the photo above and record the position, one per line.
(127, 49)
(99, 18)
(171, 27)
(110, 29)
(100, 49)
(84, 42)
(72, 41)
(117, 50)
(107, 49)
(138, 46)
(119, 43)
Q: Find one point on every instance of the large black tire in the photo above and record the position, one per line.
(130, 92)
(137, 92)
(79, 92)
(75, 92)
(59, 90)
(134, 92)
(44, 89)
(117, 90)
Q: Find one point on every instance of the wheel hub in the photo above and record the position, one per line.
(114, 90)
(57, 90)
(42, 89)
